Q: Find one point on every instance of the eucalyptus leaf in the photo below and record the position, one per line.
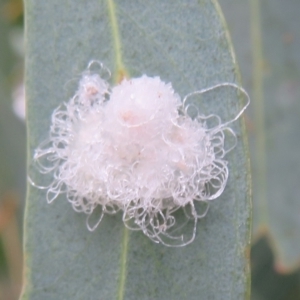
(274, 119)
(185, 43)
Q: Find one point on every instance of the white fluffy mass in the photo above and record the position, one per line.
(133, 148)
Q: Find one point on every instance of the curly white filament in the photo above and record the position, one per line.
(135, 149)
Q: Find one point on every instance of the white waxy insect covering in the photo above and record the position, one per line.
(134, 148)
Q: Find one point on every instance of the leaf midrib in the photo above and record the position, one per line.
(120, 72)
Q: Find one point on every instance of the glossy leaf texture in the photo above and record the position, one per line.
(183, 42)
(267, 39)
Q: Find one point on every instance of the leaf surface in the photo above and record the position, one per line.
(184, 43)
(272, 79)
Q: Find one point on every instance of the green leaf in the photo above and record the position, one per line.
(274, 119)
(184, 43)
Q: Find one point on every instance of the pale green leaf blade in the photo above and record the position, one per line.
(274, 120)
(183, 43)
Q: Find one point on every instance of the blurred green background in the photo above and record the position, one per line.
(12, 147)
(266, 38)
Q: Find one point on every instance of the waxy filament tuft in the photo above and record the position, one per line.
(134, 148)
